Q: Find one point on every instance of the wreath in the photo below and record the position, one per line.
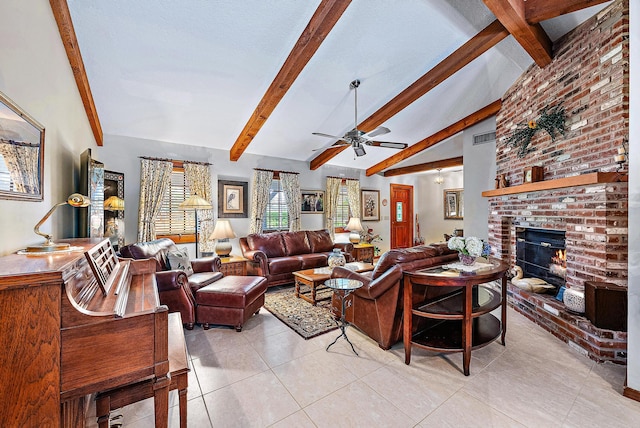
(551, 120)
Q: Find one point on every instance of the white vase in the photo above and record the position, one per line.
(573, 299)
(336, 258)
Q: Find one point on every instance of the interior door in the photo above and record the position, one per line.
(401, 216)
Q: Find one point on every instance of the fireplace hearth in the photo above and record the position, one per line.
(541, 254)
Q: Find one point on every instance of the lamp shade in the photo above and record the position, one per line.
(114, 203)
(222, 232)
(195, 202)
(354, 226)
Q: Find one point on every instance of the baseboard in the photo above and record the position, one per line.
(631, 393)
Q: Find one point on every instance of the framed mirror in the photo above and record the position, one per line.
(453, 204)
(21, 153)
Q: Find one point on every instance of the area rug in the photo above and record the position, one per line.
(301, 316)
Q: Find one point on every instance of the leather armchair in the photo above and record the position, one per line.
(175, 288)
(376, 307)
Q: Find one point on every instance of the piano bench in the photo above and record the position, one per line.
(178, 370)
(230, 300)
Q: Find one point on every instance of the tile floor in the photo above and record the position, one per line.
(268, 376)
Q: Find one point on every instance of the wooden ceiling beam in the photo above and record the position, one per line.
(532, 37)
(321, 23)
(472, 49)
(427, 166)
(439, 136)
(68, 35)
(541, 10)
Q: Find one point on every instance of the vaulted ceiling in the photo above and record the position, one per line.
(257, 76)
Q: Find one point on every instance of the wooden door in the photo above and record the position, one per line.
(401, 216)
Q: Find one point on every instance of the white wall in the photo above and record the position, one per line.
(479, 175)
(121, 154)
(633, 361)
(35, 74)
(430, 210)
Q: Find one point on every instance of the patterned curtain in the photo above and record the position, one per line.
(331, 202)
(22, 160)
(259, 198)
(353, 194)
(198, 179)
(155, 177)
(291, 187)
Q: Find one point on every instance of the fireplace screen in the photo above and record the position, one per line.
(541, 254)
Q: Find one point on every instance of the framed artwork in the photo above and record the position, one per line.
(312, 201)
(453, 204)
(232, 199)
(370, 205)
(21, 153)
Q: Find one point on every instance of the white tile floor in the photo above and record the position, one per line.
(267, 375)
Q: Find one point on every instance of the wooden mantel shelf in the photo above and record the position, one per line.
(578, 180)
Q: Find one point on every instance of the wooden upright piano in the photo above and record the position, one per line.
(73, 324)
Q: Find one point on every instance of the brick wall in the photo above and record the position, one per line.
(590, 77)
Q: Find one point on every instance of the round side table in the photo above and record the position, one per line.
(342, 288)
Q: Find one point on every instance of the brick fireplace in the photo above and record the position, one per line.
(583, 193)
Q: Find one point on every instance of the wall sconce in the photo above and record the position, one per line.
(222, 232)
(76, 200)
(195, 202)
(439, 179)
(355, 227)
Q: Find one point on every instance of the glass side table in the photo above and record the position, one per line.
(342, 288)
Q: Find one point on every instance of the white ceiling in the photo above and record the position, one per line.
(193, 71)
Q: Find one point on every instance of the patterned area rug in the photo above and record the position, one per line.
(301, 316)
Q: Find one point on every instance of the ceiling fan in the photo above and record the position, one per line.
(357, 138)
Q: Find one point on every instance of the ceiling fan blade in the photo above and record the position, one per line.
(380, 130)
(387, 144)
(320, 134)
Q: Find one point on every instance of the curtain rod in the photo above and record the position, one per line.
(343, 178)
(174, 160)
(19, 143)
(276, 171)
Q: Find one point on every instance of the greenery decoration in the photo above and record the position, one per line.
(551, 120)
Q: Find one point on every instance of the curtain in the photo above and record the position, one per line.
(259, 198)
(155, 177)
(22, 161)
(291, 186)
(198, 179)
(331, 201)
(353, 195)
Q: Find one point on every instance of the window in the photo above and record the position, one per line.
(276, 216)
(174, 222)
(342, 210)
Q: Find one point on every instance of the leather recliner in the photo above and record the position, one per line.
(175, 288)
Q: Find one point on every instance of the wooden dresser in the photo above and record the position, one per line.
(64, 338)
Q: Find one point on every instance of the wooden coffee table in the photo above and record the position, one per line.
(315, 278)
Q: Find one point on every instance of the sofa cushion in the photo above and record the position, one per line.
(179, 259)
(405, 255)
(296, 243)
(319, 241)
(284, 265)
(269, 243)
(313, 260)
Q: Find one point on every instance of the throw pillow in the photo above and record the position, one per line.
(179, 259)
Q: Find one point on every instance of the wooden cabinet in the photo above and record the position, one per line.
(458, 320)
(363, 253)
(234, 265)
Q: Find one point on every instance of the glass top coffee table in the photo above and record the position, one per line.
(342, 288)
(315, 278)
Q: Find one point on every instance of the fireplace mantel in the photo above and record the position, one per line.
(578, 180)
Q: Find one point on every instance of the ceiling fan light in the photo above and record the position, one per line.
(359, 150)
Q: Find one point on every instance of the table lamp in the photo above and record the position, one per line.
(195, 202)
(355, 227)
(76, 200)
(222, 232)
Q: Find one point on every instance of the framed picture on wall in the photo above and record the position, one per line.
(232, 199)
(453, 204)
(312, 201)
(370, 205)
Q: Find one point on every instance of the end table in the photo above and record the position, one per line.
(342, 288)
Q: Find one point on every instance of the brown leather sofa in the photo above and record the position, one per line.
(376, 307)
(176, 289)
(277, 255)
